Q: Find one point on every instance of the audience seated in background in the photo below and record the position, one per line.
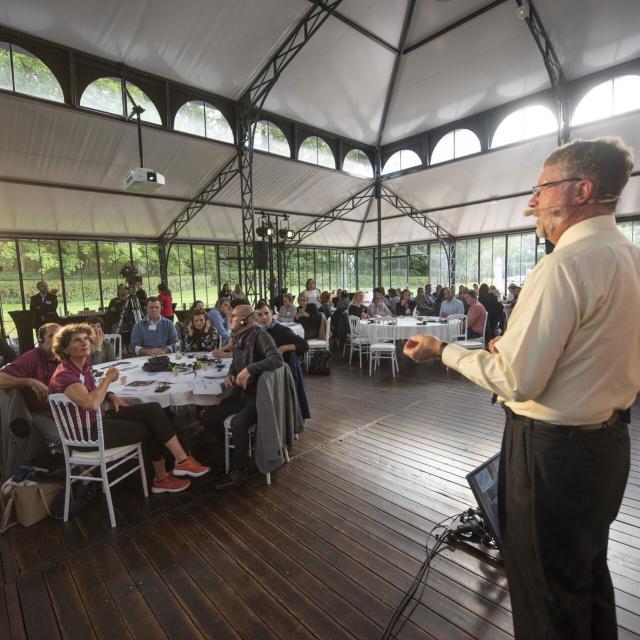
(325, 304)
(288, 310)
(141, 294)
(225, 292)
(357, 308)
(309, 317)
(198, 305)
(237, 293)
(7, 353)
(166, 301)
(219, 317)
(495, 312)
(154, 335)
(394, 297)
(422, 305)
(101, 350)
(122, 424)
(334, 300)
(450, 304)
(431, 298)
(30, 373)
(255, 352)
(406, 305)
(311, 293)
(201, 334)
(477, 314)
(378, 306)
(493, 290)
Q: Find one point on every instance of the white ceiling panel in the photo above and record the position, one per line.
(501, 172)
(50, 143)
(394, 230)
(336, 234)
(431, 16)
(337, 82)
(279, 183)
(486, 62)
(216, 46)
(214, 223)
(589, 35)
(382, 17)
(41, 210)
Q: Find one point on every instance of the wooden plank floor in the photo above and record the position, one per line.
(326, 552)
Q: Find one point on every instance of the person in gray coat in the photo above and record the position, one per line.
(255, 352)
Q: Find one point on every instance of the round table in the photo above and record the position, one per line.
(408, 326)
(201, 387)
(298, 329)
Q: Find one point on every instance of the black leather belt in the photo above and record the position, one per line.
(619, 415)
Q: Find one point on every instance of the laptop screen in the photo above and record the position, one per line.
(484, 483)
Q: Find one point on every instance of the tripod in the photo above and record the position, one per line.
(130, 309)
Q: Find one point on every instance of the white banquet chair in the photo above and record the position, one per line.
(457, 326)
(383, 347)
(74, 427)
(475, 343)
(357, 342)
(115, 340)
(316, 344)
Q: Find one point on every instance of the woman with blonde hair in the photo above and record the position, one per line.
(201, 335)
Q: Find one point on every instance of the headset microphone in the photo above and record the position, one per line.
(606, 200)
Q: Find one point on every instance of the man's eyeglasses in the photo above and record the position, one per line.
(539, 187)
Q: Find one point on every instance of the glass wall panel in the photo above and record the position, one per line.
(205, 274)
(229, 265)
(325, 269)
(366, 276)
(467, 262)
(113, 256)
(10, 298)
(438, 266)
(418, 266)
(492, 261)
(40, 261)
(521, 256)
(81, 283)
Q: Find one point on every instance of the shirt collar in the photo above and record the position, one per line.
(151, 322)
(587, 228)
(274, 322)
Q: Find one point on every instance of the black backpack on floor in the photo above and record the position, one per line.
(320, 362)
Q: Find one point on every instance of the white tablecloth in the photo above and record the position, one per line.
(181, 386)
(408, 327)
(295, 327)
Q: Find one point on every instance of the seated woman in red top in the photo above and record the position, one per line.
(123, 424)
(166, 301)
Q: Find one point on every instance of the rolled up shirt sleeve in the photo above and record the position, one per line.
(548, 310)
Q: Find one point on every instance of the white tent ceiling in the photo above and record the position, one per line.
(337, 82)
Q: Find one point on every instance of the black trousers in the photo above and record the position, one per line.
(559, 490)
(244, 406)
(146, 423)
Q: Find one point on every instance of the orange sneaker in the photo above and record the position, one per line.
(190, 467)
(170, 484)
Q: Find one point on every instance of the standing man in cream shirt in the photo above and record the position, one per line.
(566, 375)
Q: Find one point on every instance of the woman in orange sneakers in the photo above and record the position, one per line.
(123, 424)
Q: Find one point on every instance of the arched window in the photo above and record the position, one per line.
(23, 72)
(616, 95)
(358, 163)
(105, 94)
(455, 144)
(270, 138)
(524, 123)
(202, 119)
(316, 151)
(404, 159)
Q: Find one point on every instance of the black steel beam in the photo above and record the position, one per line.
(394, 73)
(213, 187)
(551, 62)
(337, 213)
(454, 25)
(365, 32)
(417, 216)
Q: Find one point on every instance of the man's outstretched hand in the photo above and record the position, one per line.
(422, 347)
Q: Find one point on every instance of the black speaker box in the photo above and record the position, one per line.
(260, 255)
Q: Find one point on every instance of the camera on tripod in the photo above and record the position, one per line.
(131, 311)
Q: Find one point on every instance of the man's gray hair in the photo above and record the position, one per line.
(606, 161)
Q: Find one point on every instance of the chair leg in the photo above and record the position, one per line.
(370, 359)
(227, 456)
(143, 475)
(268, 476)
(67, 492)
(107, 493)
(285, 453)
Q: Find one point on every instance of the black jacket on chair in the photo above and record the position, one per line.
(401, 311)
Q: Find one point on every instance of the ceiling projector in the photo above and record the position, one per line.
(143, 181)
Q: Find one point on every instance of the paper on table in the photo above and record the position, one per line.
(204, 385)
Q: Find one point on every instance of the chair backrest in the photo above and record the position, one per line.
(457, 326)
(384, 332)
(329, 334)
(74, 424)
(354, 325)
(115, 340)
